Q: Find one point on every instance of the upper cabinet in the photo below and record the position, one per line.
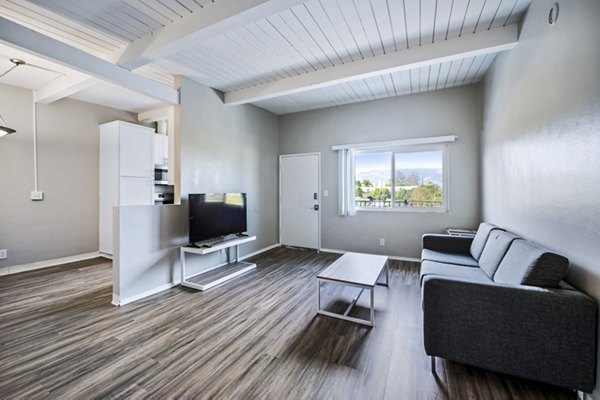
(161, 149)
(135, 151)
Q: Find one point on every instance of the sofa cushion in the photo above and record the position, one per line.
(457, 271)
(449, 258)
(481, 238)
(495, 248)
(528, 264)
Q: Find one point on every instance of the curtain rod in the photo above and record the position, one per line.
(393, 143)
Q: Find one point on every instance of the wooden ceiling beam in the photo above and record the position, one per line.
(51, 49)
(218, 18)
(468, 45)
(65, 86)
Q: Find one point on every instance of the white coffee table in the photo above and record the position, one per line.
(357, 270)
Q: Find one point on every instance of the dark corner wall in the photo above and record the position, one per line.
(66, 223)
(541, 137)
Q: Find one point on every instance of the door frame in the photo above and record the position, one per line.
(319, 193)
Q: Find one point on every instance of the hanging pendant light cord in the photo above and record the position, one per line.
(35, 158)
(8, 70)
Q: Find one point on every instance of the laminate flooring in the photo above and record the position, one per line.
(256, 337)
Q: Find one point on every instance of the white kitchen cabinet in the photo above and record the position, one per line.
(136, 191)
(161, 149)
(126, 173)
(136, 151)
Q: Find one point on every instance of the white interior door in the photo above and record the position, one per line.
(300, 200)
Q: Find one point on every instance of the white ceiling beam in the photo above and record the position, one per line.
(468, 45)
(216, 19)
(26, 39)
(63, 87)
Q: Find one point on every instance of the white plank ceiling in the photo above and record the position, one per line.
(312, 36)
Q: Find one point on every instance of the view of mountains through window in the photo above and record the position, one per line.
(418, 179)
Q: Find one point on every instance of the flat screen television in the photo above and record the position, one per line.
(214, 215)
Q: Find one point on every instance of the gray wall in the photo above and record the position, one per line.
(231, 149)
(146, 253)
(541, 137)
(223, 149)
(451, 111)
(66, 222)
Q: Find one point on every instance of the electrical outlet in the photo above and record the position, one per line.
(382, 242)
(37, 195)
(3, 254)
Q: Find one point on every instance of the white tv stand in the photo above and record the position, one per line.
(239, 267)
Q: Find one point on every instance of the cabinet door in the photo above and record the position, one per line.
(165, 149)
(136, 156)
(136, 191)
(159, 149)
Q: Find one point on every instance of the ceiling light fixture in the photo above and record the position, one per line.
(18, 62)
(5, 130)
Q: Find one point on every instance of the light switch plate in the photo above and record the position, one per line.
(3, 254)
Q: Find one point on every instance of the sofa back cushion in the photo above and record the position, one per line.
(495, 248)
(481, 238)
(528, 264)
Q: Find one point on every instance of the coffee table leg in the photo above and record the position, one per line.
(373, 305)
(318, 295)
(387, 277)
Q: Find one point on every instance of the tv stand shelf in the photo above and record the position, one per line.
(220, 273)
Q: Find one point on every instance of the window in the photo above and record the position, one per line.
(408, 178)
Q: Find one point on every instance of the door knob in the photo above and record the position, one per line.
(316, 207)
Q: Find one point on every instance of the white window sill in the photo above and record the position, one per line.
(440, 210)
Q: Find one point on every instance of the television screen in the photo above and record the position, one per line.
(212, 215)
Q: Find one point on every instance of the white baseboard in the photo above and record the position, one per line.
(257, 252)
(399, 258)
(15, 269)
(335, 251)
(117, 301)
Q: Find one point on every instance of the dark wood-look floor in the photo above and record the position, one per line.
(255, 337)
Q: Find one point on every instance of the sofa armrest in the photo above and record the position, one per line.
(543, 334)
(447, 243)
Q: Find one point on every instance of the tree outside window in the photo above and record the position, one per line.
(406, 179)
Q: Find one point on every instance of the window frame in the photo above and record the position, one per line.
(443, 147)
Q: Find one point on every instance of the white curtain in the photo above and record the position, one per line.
(346, 182)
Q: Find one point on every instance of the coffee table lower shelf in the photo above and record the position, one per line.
(345, 316)
(346, 268)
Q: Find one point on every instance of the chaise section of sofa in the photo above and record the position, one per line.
(509, 313)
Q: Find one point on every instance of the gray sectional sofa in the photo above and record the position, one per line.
(498, 301)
